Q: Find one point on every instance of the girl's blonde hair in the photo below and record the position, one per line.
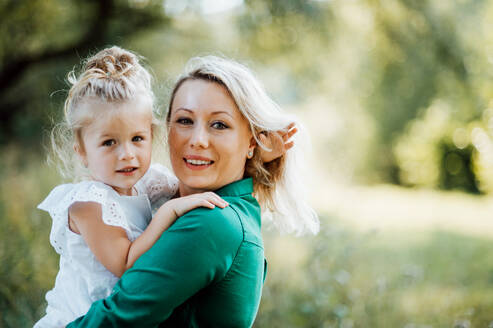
(277, 184)
(112, 75)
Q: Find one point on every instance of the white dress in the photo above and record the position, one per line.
(82, 279)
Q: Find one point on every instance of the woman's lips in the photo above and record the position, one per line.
(197, 162)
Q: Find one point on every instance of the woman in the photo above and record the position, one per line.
(208, 268)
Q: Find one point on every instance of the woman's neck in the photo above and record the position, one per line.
(184, 190)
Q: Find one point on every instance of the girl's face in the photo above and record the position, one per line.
(117, 145)
(208, 137)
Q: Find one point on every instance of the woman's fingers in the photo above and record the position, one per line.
(289, 134)
(278, 142)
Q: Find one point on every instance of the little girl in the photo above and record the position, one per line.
(102, 225)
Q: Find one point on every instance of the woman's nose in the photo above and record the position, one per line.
(199, 138)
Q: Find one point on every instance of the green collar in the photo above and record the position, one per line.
(237, 188)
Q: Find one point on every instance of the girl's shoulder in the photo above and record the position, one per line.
(59, 200)
(159, 183)
(65, 195)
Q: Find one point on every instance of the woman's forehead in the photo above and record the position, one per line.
(204, 97)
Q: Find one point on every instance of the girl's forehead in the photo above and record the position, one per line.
(119, 118)
(96, 106)
(118, 126)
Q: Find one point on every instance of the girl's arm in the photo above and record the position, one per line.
(110, 244)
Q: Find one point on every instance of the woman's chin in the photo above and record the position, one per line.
(194, 185)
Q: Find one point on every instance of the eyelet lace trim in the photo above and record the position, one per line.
(60, 199)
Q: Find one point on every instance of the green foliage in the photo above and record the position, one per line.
(28, 264)
(419, 57)
(456, 168)
(280, 33)
(438, 151)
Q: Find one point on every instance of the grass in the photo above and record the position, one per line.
(387, 262)
(352, 279)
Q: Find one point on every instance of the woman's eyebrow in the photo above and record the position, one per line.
(222, 112)
(212, 113)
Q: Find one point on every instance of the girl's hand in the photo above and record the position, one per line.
(279, 142)
(182, 205)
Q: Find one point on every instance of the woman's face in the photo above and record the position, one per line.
(209, 138)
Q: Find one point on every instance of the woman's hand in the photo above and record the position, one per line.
(184, 204)
(279, 142)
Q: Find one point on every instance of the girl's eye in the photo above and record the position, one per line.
(137, 139)
(219, 125)
(109, 142)
(184, 121)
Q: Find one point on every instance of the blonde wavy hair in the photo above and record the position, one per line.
(278, 185)
(112, 75)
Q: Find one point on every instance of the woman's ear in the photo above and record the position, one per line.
(251, 147)
(81, 153)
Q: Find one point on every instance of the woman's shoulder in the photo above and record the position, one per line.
(214, 224)
(232, 223)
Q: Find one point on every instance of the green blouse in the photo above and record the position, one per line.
(206, 270)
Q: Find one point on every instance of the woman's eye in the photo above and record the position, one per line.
(219, 125)
(108, 143)
(184, 120)
(137, 139)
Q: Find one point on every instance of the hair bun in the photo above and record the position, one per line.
(111, 74)
(113, 62)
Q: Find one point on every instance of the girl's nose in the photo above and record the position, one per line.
(126, 152)
(199, 138)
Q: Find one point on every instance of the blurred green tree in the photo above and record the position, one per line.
(292, 35)
(419, 56)
(41, 40)
(413, 54)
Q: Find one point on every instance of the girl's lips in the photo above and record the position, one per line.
(127, 171)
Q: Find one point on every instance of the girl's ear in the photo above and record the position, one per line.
(81, 153)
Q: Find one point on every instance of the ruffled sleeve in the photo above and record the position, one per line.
(62, 197)
(159, 183)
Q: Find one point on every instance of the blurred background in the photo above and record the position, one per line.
(397, 96)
